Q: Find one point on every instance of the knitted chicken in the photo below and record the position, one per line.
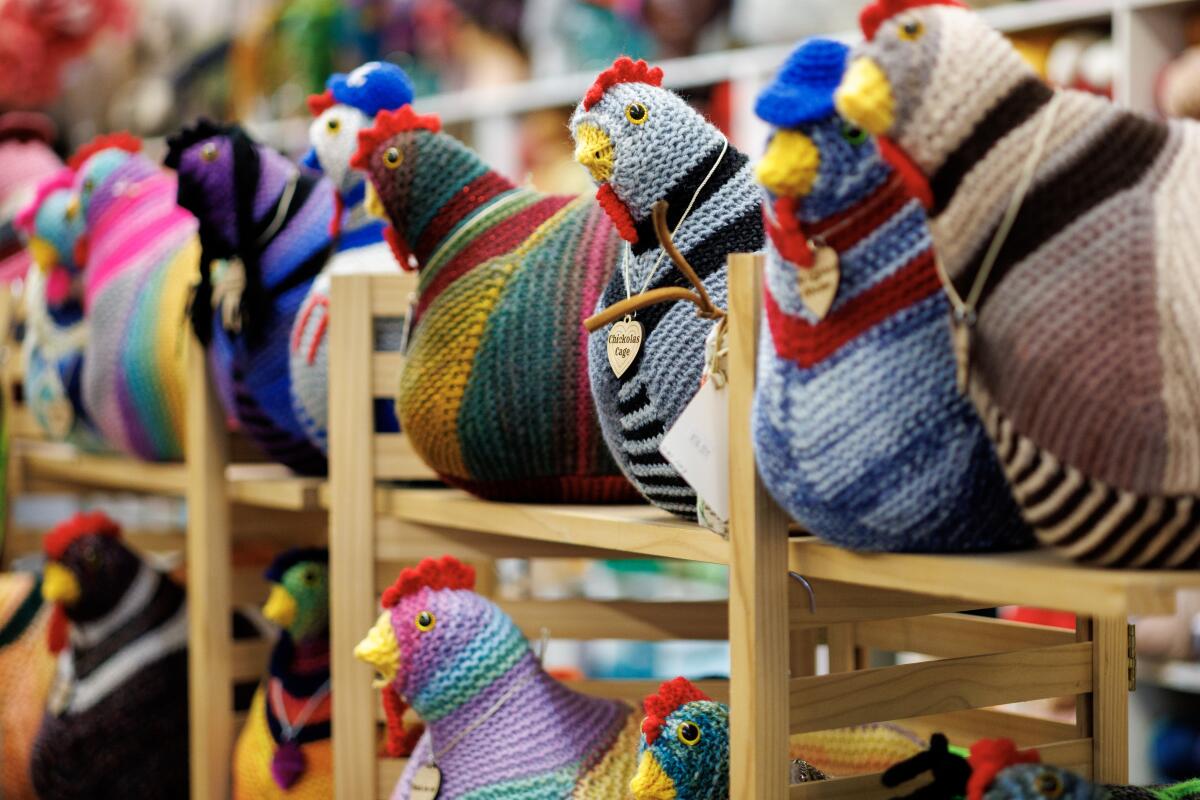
(498, 726)
(494, 392)
(643, 144)
(26, 159)
(141, 263)
(26, 670)
(348, 105)
(684, 750)
(1063, 224)
(285, 751)
(116, 725)
(859, 429)
(270, 223)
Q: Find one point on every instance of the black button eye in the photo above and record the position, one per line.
(636, 113)
(853, 135)
(425, 621)
(912, 30)
(689, 733)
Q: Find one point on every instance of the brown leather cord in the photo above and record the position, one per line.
(705, 308)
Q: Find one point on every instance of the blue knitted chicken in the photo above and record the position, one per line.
(684, 752)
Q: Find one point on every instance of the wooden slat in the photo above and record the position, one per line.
(1110, 699)
(934, 687)
(272, 486)
(250, 660)
(848, 602)
(973, 724)
(387, 295)
(620, 619)
(62, 462)
(385, 374)
(396, 460)
(955, 635)
(401, 542)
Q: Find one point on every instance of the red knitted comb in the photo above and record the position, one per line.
(94, 523)
(318, 104)
(879, 12)
(59, 180)
(388, 124)
(990, 757)
(120, 141)
(671, 695)
(623, 70)
(446, 572)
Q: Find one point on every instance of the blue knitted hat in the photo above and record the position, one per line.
(803, 90)
(372, 87)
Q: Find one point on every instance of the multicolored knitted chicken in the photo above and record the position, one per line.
(494, 393)
(117, 721)
(26, 159)
(347, 106)
(642, 144)
(684, 750)
(284, 751)
(498, 726)
(859, 429)
(141, 257)
(26, 671)
(270, 222)
(1064, 226)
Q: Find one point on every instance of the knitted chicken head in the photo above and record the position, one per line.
(299, 599)
(684, 753)
(53, 225)
(639, 142)
(112, 156)
(926, 75)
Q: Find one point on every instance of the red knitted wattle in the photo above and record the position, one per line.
(914, 180)
(107, 141)
(671, 695)
(446, 572)
(318, 104)
(622, 220)
(95, 523)
(879, 12)
(786, 234)
(990, 757)
(56, 632)
(388, 124)
(400, 741)
(623, 70)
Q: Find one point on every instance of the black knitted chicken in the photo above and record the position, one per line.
(116, 725)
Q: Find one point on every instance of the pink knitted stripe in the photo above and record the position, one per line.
(593, 286)
(115, 252)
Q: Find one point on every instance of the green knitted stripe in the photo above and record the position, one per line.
(140, 364)
(496, 649)
(23, 617)
(469, 229)
(547, 786)
(430, 182)
(1188, 790)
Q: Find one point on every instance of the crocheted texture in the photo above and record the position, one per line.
(494, 391)
(859, 750)
(642, 144)
(26, 670)
(25, 160)
(256, 207)
(859, 429)
(141, 260)
(684, 751)
(1085, 350)
(121, 691)
(347, 106)
(454, 656)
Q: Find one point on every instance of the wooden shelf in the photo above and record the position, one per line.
(1179, 676)
(273, 486)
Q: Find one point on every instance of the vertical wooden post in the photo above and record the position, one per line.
(209, 585)
(351, 534)
(1110, 700)
(843, 654)
(758, 592)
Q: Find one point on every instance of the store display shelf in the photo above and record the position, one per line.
(1179, 676)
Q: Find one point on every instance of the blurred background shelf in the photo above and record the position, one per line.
(1179, 676)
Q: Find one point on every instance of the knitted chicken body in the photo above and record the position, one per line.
(142, 255)
(26, 670)
(642, 144)
(455, 656)
(1084, 359)
(494, 392)
(116, 725)
(859, 429)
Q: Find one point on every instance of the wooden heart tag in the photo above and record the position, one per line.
(624, 342)
(819, 283)
(426, 783)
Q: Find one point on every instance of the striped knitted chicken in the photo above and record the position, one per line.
(494, 393)
(26, 671)
(467, 670)
(859, 430)
(642, 144)
(116, 725)
(141, 261)
(348, 105)
(1085, 356)
(271, 222)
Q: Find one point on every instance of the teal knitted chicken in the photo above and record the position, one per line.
(684, 753)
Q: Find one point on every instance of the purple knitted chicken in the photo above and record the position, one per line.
(468, 671)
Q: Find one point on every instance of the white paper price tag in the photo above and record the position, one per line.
(697, 446)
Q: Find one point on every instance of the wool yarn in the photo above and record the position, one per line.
(456, 657)
(859, 430)
(1084, 361)
(270, 224)
(141, 256)
(26, 670)
(494, 394)
(347, 106)
(26, 159)
(116, 723)
(642, 144)
(684, 748)
(857, 750)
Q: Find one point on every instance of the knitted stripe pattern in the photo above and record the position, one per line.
(1088, 335)
(546, 742)
(26, 671)
(667, 155)
(494, 392)
(859, 430)
(142, 257)
(859, 750)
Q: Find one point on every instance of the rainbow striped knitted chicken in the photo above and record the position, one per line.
(456, 657)
(859, 430)
(1085, 359)
(142, 256)
(494, 394)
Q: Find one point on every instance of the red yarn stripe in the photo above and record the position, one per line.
(869, 216)
(468, 199)
(808, 345)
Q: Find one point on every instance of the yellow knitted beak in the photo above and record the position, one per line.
(650, 782)
(381, 650)
(59, 585)
(594, 150)
(373, 204)
(790, 166)
(280, 607)
(42, 253)
(72, 207)
(865, 97)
